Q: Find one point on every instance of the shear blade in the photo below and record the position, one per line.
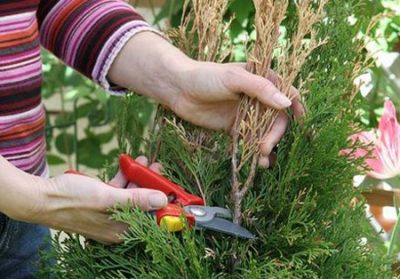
(227, 227)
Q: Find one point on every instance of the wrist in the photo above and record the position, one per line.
(177, 82)
(149, 65)
(24, 200)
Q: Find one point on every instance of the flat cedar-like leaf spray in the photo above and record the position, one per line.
(301, 209)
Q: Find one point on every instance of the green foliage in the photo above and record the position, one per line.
(135, 113)
(84, 102)
(383, 78)
(170, 10)
(301, 211)
(150, 253)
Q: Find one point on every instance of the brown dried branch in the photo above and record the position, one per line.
(253, 120)
(202, 22)
(191, 139)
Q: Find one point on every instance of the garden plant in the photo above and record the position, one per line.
(307, 218)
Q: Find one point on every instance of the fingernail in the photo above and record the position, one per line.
(157, 201)
(282, 100)
(266, 149)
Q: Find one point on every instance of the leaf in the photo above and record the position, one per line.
(89, 153)
(71, 95)
(101, 95)
(170, 8)
(114, 153)
(105, 137)
(85, 109)
(65, 119)
(55, 160)
(98, 117)
(78, 91)
(241, 9)
(236, 29)
(64, 143)
(100, 137)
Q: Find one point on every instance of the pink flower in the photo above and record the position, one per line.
(384, 142)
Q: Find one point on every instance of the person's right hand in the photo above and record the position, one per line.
(80, 204)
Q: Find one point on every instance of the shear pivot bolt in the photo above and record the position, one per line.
(197, 211)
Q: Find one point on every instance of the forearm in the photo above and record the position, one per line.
(18, 191)
(151, 66)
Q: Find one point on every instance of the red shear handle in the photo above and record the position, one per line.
(146, 178)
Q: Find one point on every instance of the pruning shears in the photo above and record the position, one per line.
(183, 208)
(181, 203)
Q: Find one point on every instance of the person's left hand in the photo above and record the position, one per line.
(210, 95)
(206, 94)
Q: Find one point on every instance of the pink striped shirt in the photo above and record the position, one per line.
(86, 35)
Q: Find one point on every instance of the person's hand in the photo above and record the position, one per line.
(209, 96)
(80, 204)
(206, 94)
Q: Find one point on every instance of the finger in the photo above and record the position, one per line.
(132, 185)
(239, 80)
(263, 162)
(294, 95)
(108, 234)
(274, 78)
(298, 110)
(156, 167)
(142, 160)
(267, 161)
(119, 180)
(146, 199)
(272, 137)
(112, 233)
(277, 81)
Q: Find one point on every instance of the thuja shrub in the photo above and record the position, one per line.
(308, 219)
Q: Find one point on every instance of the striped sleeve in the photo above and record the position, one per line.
(88, 35)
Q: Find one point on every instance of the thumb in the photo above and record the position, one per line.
(146, 199)
(239, 80)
